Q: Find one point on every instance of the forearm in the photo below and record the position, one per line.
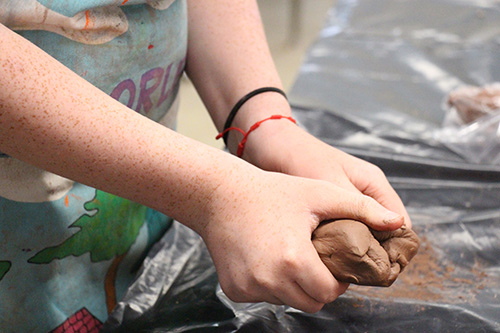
(52, 118)
(228, 57)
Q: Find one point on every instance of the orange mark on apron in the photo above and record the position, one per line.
(77, 197)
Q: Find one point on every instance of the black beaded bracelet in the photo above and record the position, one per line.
(238, 105)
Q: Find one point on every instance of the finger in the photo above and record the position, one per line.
(258, 294)
(293, 295)
(279, 293)
(268, 298)
(384, 193)
(378, 187)
(337, 203)
(315, 283)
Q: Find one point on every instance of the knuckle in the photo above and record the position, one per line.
(230, 292)
(377, 174)
(363, 206)
(291, 260)
(329, 294)
(375, 170)
(263, 281)
(237, 292)
(327, 298)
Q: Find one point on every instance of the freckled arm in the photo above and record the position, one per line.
(52, 118)
(228, 56)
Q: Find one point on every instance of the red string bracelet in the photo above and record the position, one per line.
(242, 101)
(241, 145)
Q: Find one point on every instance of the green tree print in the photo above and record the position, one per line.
(4, 268)
(108, 231)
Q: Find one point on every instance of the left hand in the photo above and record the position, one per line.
(281, 146)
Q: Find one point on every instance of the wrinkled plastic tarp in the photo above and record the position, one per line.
(373, 85)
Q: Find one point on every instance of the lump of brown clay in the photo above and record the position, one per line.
(356, 254)
(473, 102)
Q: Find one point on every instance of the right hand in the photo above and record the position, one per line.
(259, 235)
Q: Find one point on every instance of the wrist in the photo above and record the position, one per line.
(272, 144)
(236, 180)
(240, 103)
(255, 110)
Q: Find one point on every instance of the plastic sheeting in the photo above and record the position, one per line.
(373, 85)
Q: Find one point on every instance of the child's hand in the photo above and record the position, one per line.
(283, 147)
(259, 235)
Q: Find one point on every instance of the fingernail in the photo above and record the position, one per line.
(391, 216)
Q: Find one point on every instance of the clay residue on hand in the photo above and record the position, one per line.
(356, 254)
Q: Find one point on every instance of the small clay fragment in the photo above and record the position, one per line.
(356, 254)
(473, 102)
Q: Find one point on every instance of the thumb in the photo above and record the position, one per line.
(344, 204)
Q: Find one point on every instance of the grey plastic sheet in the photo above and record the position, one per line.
(381, 70)
(373, 84)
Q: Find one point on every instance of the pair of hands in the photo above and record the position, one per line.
(259, 234)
